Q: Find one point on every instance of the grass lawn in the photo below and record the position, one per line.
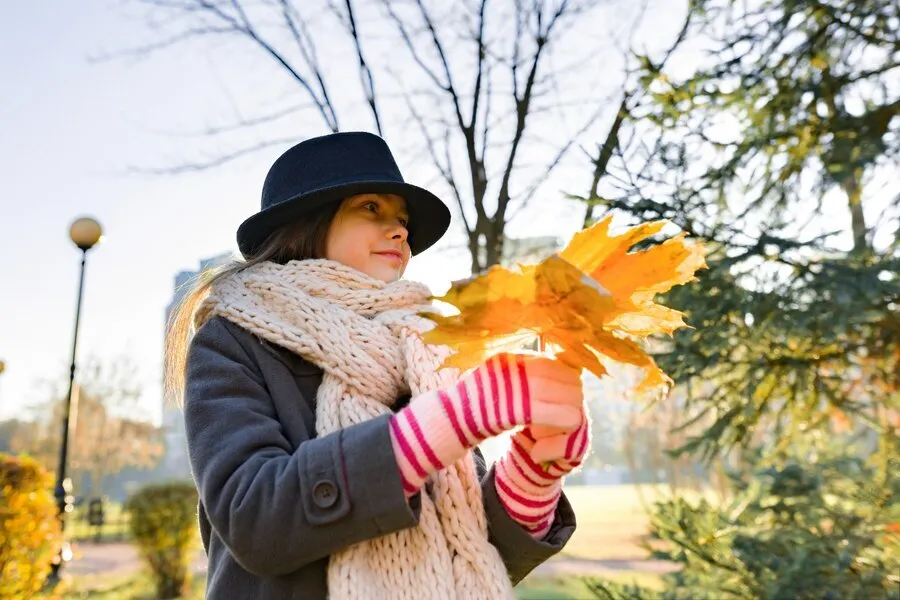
(574, 588)
(611, 524)
(114, 528)
(140, 587)
(121, 587)
(612, 520)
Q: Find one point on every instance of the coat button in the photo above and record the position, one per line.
(325, 494)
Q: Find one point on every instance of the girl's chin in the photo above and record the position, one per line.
(385, 274)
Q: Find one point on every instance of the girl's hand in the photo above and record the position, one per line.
(510, 390)
(551, 385)
(528, 477)
(560, 453)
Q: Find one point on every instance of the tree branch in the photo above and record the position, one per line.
(297, 26)
(601, 163)
(445, 169)
(523, 105)
(365, 73)
(218, 161)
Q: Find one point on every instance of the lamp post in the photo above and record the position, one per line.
(85, 233)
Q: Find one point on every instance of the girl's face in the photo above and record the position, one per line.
(369, 234)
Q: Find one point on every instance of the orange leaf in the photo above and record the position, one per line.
(652, 271)
(592, 248)
(650, 319)
(588, 301)
(581, 357)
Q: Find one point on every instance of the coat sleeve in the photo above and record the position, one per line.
(521, 553)
(277, 508)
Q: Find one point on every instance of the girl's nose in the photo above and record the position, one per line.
(397, 231)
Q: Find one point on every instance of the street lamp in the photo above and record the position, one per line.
(85, 233)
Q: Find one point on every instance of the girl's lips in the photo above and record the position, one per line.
(392, 256)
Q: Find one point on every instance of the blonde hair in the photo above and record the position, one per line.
(300, 240)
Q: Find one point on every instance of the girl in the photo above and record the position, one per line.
(331, 455)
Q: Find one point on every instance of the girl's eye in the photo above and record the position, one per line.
(371, 206)
(404, 222)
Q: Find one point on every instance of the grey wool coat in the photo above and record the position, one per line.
(276, 500)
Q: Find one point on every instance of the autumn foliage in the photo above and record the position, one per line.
(164, 525)
(30, 531)
(594, 300)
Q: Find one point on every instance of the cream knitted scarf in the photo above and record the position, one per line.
(366, 336)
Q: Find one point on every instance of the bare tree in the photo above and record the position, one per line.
(627, 152)
(496, 95)
(109, 432)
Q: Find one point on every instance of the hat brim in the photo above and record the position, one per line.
(429, 217)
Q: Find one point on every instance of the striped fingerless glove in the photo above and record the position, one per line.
(529, 488)
(437, 428)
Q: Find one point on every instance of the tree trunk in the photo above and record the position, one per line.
(601, 163)
(494, 244)
(857, 216)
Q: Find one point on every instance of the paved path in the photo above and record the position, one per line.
(122, 559)
(114, 558)
(568, 565)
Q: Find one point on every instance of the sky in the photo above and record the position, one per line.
(73, 130)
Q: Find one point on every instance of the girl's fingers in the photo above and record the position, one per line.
(552, 381)
(542, 431)
(550, 369)
(556, 393)
(550, 449)
(538, 432)
(564, 446)
(555, 415)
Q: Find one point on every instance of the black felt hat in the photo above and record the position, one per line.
(327, 169)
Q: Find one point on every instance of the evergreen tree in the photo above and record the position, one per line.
(780, 150)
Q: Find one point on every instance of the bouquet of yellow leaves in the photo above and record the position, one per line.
(594, 299)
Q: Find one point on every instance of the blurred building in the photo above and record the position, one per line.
(529, 249)
(175, 463)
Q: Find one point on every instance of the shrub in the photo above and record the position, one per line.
(30, 531)
(163, 524)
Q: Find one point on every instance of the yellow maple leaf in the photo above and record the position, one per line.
(592, 300)
(638, 276)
